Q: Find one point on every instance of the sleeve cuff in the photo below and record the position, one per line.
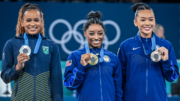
(14, 70)
(166, 63)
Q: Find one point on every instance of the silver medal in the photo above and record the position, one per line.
(25, 49)
(155, 56)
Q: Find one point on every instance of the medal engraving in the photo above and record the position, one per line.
(155, 56)
(93, 60)
(25, 49)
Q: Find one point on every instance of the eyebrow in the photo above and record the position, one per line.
(145, 17)
(91, 31)
(98, 31)
(28, 18)
(34, 18)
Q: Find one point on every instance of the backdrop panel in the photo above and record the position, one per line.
(64, 23)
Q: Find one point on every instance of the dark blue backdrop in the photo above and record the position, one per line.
(74, 13)
(119, 16)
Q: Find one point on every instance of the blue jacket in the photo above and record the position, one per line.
(143, 79)
(101, 82)
(41, 78)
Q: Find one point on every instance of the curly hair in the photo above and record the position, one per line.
(19, 28)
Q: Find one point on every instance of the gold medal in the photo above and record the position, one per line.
(155, 56)
(93, 60)
(25, 49)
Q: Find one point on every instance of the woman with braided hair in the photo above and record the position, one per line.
(94, 71)
(31, 60)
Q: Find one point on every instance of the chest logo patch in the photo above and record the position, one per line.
(136, 48)
(45, 50)
(106, 58)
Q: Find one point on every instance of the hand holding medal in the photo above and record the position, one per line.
(26, 51)
(87, 58)
(164, 53)
(22, 58)
(93, 60)
(160, 53)
(84, 58)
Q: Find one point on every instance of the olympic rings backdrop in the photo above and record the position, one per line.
(64, 23)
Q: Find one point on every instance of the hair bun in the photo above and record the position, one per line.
(135, 6)
(94, 14)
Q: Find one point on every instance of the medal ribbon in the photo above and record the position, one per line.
(153, 40)
(37, 43)
(101, 52)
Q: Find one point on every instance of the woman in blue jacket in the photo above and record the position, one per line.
(31, 60)
(147, 60)
(92, 71)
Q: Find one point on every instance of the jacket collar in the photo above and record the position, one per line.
(21, 36)
(156, 37)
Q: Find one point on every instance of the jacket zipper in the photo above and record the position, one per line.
(34, 44)
(146, 76)
(146, 79)
(100, 83)
(34, 79)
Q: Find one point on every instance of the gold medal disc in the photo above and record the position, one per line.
(93, 60)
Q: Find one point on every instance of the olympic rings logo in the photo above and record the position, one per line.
(78, 36)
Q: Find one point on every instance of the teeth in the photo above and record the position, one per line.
(95, 41)
(147, 28)
(33, 28)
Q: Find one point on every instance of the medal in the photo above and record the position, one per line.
(155, 56)
(25, 49)
(93, 60)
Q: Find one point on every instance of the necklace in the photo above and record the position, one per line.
(97, 53)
